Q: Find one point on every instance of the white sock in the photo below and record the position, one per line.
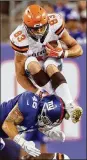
(63, 92)
(48, 88)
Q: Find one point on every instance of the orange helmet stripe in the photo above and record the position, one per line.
(35, 15)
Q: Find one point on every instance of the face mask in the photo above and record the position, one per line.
(37, 33)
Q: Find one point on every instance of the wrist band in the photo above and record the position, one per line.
(66, 54)
(18, 139)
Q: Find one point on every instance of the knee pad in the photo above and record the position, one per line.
(29, 60)
(50, 61)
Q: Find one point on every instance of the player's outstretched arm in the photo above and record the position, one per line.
(14, 118)
(20, 73)
(74, 49)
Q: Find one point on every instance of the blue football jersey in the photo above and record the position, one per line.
(6, 107)
(28, 105)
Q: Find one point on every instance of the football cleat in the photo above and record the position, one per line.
(67, 116)
(75, 112)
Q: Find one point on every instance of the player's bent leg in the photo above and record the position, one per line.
(61, 88)
(39, 76)
(32, 65)
(58, 81)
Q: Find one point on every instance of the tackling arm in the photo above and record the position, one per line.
(14, 118)
(74, 49)
(20, 73)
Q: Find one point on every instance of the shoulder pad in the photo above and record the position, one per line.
(56, 23)
(19, 40)
(25, 102)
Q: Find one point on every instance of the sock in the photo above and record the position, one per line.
(61, 87)
(63, 92)
(48, 88)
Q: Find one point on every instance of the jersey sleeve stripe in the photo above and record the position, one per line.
(20, 49)
(60, 29)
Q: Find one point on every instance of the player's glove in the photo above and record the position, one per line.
(28, 146)
(53, 52)
(55, 134)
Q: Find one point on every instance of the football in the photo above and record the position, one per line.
(55, 44)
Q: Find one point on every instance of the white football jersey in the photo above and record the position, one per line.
(23, 43)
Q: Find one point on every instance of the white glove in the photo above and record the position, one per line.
(55, 134)
(28, 146)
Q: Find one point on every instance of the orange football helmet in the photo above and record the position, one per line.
(36, 21)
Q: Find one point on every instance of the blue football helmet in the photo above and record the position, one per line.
(52, 111)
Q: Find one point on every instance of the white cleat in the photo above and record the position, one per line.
(75, 112)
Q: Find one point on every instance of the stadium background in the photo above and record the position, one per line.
(74, 13)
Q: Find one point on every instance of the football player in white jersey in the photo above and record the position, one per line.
(31, 42)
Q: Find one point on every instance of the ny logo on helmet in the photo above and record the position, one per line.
(49, 105)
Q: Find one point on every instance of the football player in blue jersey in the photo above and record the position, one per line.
(30, 112)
